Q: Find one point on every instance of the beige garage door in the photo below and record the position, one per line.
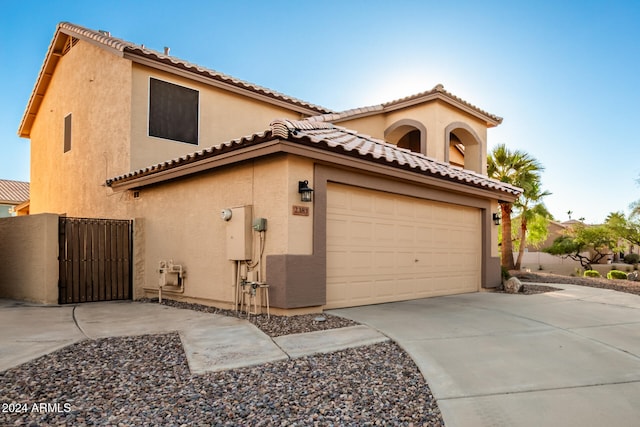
(383, 247)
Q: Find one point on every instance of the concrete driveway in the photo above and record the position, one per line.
(567, 358)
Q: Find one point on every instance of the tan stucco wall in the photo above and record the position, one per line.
(93, 85)
(29, 258)
(436, 117)
(182, 223)
(223, 116)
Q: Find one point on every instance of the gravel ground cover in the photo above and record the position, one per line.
(145, 381)
(274, 326)
(529, 289)
(616, 285)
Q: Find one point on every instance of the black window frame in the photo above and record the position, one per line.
(174, 112)
(68, 121)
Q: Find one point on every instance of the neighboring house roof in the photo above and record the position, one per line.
(313, 135)
(13, 192)
(437, 93)
(139, 53)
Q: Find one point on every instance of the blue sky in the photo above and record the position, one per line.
(563, 74)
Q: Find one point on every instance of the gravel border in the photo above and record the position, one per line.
(145, 381)
(274, 326)
(529, 289)
(626, 286)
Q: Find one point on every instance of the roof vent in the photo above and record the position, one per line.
(166, 50)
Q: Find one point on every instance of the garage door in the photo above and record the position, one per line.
(383, 247)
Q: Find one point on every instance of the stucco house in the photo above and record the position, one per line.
(211, 170)
(13, 196)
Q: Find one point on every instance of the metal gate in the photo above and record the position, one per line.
(94, 260)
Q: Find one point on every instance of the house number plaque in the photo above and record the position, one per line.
(301, 210)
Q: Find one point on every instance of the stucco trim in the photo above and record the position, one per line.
(447, 139)
(300, 280)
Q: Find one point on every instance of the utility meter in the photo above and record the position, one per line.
(260, 224)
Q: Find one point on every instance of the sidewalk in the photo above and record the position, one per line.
(211, 342)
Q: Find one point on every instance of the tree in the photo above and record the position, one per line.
(586, 244)
(635, 206)
(625, 228)
(517, 168)
(530, 205)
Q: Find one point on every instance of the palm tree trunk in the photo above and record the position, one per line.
(523, 240)
(507, 244)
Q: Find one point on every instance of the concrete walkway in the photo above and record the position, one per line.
(211, 342)
(568, 358)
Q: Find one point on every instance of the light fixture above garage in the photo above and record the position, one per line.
(305, 191)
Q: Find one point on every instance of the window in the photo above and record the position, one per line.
(67, 132)
(173, 112)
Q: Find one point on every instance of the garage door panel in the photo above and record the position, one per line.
(337, 230)
(359, 232)
(383, 247)
(384, 262)
(384, 233)
(383, 289)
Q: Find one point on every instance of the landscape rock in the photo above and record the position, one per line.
(513, 285)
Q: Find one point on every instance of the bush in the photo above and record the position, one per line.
(591, 273)
(616, 274)
(505, 274)
(632, 258)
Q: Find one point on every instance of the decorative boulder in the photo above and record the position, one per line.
(513, 285)
(634, 276)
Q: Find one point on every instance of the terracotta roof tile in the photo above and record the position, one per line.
(437, 91)
(333, 138)
(349, 141)
(105, 39)
(13, 191)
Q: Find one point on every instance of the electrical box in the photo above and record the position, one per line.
(240, 234)
(260, 224)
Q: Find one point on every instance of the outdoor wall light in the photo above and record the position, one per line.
(496, 218)
(305, 191)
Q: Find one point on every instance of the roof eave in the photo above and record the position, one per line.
(490, 120)
(54, 53)
(152, 61)
(271, 145)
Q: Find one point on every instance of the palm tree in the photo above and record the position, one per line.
(517, 168)
(530, 205)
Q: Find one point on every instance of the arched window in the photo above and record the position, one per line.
(409, 134)
(463, 147)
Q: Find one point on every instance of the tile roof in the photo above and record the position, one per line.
(329, 137)
(104, 39)
(347, 141)
(438, 92)
(13, 191)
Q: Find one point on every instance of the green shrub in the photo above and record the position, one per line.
(616, 274)
(632, 258)
(505, 274)
(591, 273)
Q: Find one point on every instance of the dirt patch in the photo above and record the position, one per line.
(616, 285)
